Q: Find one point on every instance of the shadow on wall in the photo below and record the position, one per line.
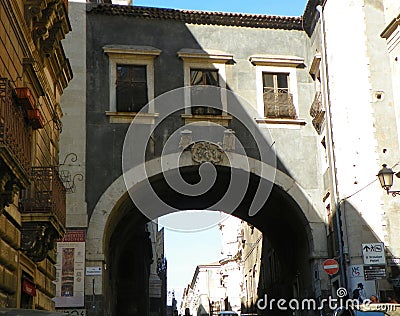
(357, 233)
(379, 280)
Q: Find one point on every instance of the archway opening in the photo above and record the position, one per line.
(286, 266)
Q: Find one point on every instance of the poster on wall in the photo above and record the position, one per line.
(70, 270)
(357, 280)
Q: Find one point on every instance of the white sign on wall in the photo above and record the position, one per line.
(70, 270)
(373, 253)
(93, 270)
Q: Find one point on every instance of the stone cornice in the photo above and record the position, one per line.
(132, 50)
(314, 68)
(276, 60)
(392, 34)
(213, 55)
(393, 25)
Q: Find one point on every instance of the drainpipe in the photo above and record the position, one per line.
(330, 148)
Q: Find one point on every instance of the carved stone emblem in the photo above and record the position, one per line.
(37, 240)
(206, 152)
(8, 189)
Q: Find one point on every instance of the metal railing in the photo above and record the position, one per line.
(46, 194)
(317, 112)
(316, 106)
(278, 103)
(15, 133)
(66, 5)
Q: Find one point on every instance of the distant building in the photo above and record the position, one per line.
(205, 294)
(216, 287)
(251, 255)
(231, 262)
(172, 309)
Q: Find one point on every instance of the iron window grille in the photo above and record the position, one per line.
(278, 101)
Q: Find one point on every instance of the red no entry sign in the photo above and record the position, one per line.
(331, 266)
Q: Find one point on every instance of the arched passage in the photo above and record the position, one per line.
(294, 229)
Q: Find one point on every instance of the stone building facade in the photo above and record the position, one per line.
(328, 101)
(34, 72)
(357, 123)
(205, 294)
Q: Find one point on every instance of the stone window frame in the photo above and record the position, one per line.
(131, 55)
(205, 59)
(277, 64)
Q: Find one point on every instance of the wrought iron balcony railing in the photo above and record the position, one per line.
(46, 194)
(317, 112)
(15, 133)
(279, 104)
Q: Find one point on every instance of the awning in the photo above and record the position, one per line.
(28, 287)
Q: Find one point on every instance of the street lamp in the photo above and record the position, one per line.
(385, 176)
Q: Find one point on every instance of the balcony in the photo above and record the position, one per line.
(317, 112)
(25, 97)
(15, 135)
(46, 195)
(35, 118)
(279, 104)
(43, 212)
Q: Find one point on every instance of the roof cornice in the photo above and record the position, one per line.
(201, 17)
(311, 15)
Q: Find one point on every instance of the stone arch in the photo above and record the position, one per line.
(303, 247)
(116, 195)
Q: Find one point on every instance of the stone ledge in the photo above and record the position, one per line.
(275, 121)
(207, 119)
(276, 60)
(132, 50)
(199, 54)
(127, 117)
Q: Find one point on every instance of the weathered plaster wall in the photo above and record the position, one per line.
(73, 103)
(361, 99)
(392, 38)
(392, 9)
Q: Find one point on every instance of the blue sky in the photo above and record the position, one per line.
(186, 250)
(270, 7)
